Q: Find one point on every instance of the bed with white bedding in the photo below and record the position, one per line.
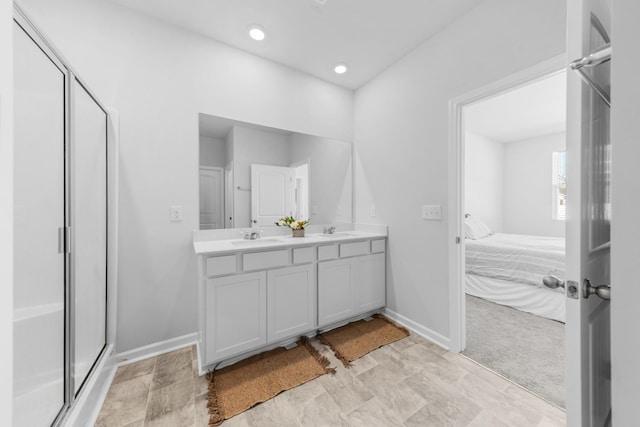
(508, 269)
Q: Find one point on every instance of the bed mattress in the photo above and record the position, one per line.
(516, 258)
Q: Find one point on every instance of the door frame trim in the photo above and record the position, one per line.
(544, 69)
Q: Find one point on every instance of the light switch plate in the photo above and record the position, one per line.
(432, 212)
(175, 213)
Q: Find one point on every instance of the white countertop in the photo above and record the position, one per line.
(281, 241)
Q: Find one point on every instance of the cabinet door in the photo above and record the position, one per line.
(370, 283)
(235, 315)
(291, 301)
(335, 290)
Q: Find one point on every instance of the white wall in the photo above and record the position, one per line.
(254, 146)
(229, 146)
(528, 200)
(6, 213)
(402, 138)
(484, 179)
(159, 78)
(625, 232)
(330, 176)
(213, 152)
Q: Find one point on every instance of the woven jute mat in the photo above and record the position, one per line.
(238, 387)
(354, 340)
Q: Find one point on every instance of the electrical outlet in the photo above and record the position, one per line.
(175, 213)
(432, 212)
(373, 211)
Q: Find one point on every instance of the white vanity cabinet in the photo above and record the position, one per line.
(265, 295)
(370, 283)
(336, 293)
(291, 301)
(353, 284)
(235, 314)
(257, 298)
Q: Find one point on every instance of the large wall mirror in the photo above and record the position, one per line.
(251, 175)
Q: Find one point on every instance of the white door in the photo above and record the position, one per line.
(228, 195)
(271, 194)
(301, 190)
(211, 196)
(588, 357)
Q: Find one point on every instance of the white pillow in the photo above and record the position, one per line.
(475, 229)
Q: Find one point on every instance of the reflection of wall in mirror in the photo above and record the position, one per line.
(330, 181)
(213, 152)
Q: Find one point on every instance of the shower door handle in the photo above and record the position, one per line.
(64, 240)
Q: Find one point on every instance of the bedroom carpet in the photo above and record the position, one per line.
(527, 349)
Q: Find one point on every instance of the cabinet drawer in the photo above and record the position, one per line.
(354, 249)
(327, 252)
(377, 246)
(217, 266)
(262, 260)
(303, 255)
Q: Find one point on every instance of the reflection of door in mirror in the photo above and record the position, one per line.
(272, 194)
(211, 198)
(228, 195)
(301, 191)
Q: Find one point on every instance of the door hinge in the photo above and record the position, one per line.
(458, 240)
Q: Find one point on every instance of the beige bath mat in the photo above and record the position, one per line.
(352, 341)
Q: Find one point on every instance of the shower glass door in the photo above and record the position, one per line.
(89, 231)
(39, 258)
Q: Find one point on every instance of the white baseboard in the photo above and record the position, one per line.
(155, 349)
(419, 329)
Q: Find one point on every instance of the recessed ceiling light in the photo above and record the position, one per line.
(340, 69)
(256, 32)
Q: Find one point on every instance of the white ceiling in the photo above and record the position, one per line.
(367, 35)
(526, 112)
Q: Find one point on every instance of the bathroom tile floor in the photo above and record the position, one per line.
(411, 382)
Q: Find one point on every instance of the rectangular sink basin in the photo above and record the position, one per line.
(257, 242)
(337, 235)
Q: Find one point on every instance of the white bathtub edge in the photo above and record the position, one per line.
(87, 406)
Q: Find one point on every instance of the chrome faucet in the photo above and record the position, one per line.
(251, 235)
(329, 230)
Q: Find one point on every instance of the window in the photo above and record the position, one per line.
(559, 180)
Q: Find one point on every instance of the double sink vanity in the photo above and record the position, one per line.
(256, 294)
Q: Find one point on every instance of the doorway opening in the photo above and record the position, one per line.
(511, 197)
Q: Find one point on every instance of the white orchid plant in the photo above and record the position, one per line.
(292, 223)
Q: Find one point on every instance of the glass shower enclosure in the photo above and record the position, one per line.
(60, 243)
